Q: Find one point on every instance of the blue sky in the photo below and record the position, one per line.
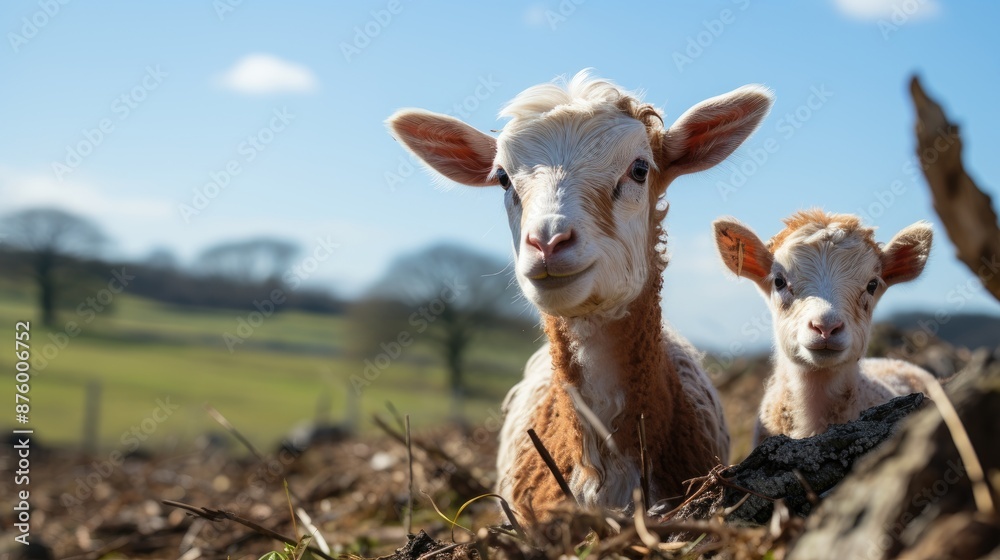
(312, 82)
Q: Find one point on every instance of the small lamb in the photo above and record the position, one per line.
(822, 277)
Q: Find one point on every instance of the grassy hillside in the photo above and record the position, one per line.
(140, 351)
(968, 330)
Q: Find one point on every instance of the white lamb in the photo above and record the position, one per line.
(583, 167)
(822, 277)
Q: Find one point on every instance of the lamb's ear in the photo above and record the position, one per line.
(742, 251)
(904, 257)
(708, 132)
(447, 145)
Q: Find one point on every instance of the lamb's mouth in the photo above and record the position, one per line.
(824, 351)
(555, 281)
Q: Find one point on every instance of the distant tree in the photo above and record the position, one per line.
(445, 293)
(53, 239)
(251, 261)
(161, 258)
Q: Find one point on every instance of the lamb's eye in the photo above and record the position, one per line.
(872, 286)
(503, 178)
(639, 171)
(779, 283)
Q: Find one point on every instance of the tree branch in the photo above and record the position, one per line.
(966, 211)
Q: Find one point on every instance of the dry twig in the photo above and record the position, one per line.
(219, 515)
(551, 464)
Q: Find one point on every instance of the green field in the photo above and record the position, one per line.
(292, 363)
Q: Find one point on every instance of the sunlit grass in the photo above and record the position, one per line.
(292, 364)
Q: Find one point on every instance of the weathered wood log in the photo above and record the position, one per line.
(912, 497)
(774, 468)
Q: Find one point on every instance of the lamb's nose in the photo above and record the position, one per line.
(826, 327)
(556, 243)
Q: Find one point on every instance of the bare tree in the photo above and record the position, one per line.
(262, 259)
(161, 258)
(51, 238)
(445, 293)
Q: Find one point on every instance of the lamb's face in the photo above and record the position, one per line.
(578, 200)
(581, 163)
(822, 277)
(825, 283)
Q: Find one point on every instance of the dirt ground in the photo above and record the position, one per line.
(353, 491)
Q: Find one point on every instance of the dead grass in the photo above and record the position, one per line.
(354, 494)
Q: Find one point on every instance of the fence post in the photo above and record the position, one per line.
(353, 409)
(91, 416)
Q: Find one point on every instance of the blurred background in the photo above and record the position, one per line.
(200, 205)
(200, 201)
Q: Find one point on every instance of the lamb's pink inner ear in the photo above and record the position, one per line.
(742, 251)
(899, 266)
(447, 145)
(710, 131)
(904, 258)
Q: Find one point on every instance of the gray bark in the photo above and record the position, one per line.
(822, 461)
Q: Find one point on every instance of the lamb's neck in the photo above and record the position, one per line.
(821, 396)
(612, 362)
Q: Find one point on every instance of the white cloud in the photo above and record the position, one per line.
(873, 10)
(262, 74)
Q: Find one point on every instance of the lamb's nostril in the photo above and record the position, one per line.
(556, 243)
(533, 241)
(561, 241)
(837, 328)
